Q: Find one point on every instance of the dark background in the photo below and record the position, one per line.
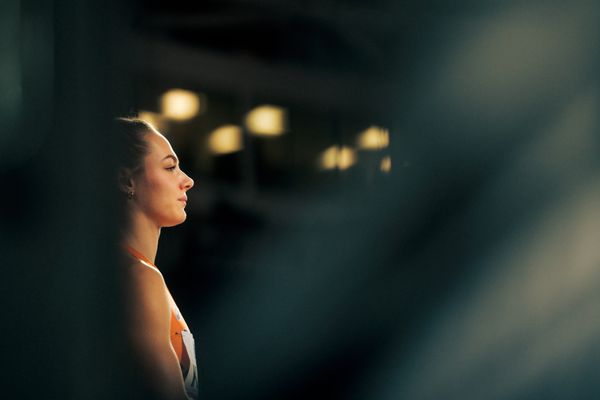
(469, 270)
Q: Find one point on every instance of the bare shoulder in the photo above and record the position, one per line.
(145, 284)
(147, 301)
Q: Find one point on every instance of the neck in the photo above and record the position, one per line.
(143, 235)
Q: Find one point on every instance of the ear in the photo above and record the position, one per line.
(126, 182)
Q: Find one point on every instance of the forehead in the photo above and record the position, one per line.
(159, 146)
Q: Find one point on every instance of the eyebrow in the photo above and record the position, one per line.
(171, 157)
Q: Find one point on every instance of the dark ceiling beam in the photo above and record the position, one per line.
(246, 76)
(198, 20)
(376, 20)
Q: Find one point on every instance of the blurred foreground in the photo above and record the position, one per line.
(463, 267)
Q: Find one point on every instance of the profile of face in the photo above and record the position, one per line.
(160, 190)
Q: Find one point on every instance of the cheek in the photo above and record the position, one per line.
(163, 193)
(156, 184)
(152, 191)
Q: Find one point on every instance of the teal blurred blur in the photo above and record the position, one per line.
(60, 85)
(393, 200)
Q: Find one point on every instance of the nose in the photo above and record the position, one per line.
(188, 182)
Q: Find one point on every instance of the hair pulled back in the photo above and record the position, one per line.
(133, 147)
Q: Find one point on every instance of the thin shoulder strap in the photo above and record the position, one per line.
(140, 257)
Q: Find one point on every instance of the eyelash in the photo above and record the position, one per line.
(171, 168)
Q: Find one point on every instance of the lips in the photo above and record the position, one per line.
(184, 199)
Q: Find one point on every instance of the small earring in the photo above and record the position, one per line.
(130, 194)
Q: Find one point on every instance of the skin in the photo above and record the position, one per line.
(156, 203)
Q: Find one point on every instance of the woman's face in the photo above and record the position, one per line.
(160, 191)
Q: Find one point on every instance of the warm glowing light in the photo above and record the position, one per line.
(346, 158)
(374, 138)
(328, 159)
(267, 120)
(179, 104)
(154, 119)
(386, 164)
(336, 157)
(226, 139)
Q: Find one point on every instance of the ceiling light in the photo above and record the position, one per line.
(226, 139)
(337, 157)
(346, 158)
(373, 138)
(267, 120)
(386, 164)
(179, 104)
(328, 159)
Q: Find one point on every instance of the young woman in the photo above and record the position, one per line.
(154, 187)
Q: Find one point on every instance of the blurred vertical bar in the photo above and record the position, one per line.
(60, 85)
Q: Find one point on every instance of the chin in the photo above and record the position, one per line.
(175, 221)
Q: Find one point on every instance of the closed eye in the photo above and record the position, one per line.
(171, 168)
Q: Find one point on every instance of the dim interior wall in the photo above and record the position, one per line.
(61, 336)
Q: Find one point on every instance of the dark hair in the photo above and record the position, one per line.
(133, 147)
